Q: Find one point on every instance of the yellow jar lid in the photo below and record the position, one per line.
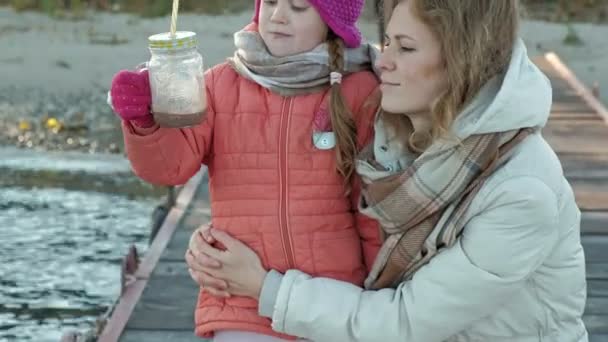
(164, 41)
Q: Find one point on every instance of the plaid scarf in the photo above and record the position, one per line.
(422, 209)
(304, 73)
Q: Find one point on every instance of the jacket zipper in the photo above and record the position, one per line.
(283, 182)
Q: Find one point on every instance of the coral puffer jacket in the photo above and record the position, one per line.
(270, 186)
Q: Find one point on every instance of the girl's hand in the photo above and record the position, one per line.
(237, 270)
(131, 97)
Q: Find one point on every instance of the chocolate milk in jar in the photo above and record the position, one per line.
(176, 80)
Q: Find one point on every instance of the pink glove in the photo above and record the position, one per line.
(131, 97)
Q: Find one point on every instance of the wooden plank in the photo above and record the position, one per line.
(201, 198)
(198, 213)
(588, 175)
(123, 311)
(561, 89)
(580, 139)
(566, 85)
(596, 248)
(591, 194)
(598, 338)
(597, 306)
(184, 336)
(577, 136)
(596, 324)
(567, 75)
(563, 93)
(597, 271)
(161, 336)
(543, 64)
(566, 104)
(172, 269)
(187, 193)
(585, 165)
(559, 85)
(171, 224)
(168, 303)
(570, 115)
(153, 254)
(597, 288)
(177, 247)
(594, 222)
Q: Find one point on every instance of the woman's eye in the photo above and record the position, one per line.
(270, 2)
(299, 9)
(407, 49)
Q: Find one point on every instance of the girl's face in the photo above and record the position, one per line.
(289, 27)
(413, 72)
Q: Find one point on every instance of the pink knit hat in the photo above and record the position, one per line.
(340, 15)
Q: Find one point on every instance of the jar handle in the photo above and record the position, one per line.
(141, 66)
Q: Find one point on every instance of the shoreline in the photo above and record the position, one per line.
(56, 73)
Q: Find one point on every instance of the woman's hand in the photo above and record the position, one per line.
(237, 270)
(197, 262)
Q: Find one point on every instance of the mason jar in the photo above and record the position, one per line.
(177, 80)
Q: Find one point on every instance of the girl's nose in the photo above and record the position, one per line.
(279, 15)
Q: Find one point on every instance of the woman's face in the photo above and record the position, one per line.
(412, 68)
(289, 27)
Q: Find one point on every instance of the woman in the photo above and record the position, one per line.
(481, 228)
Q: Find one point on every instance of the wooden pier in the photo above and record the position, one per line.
(158, 305)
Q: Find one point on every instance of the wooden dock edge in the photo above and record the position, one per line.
(578, 86)
(122, 311)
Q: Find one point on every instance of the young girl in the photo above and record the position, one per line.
(278, 179)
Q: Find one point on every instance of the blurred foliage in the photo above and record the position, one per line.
(554, 10)
(567, 10)
(146, 8)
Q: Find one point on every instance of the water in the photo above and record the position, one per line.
(60, 254)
